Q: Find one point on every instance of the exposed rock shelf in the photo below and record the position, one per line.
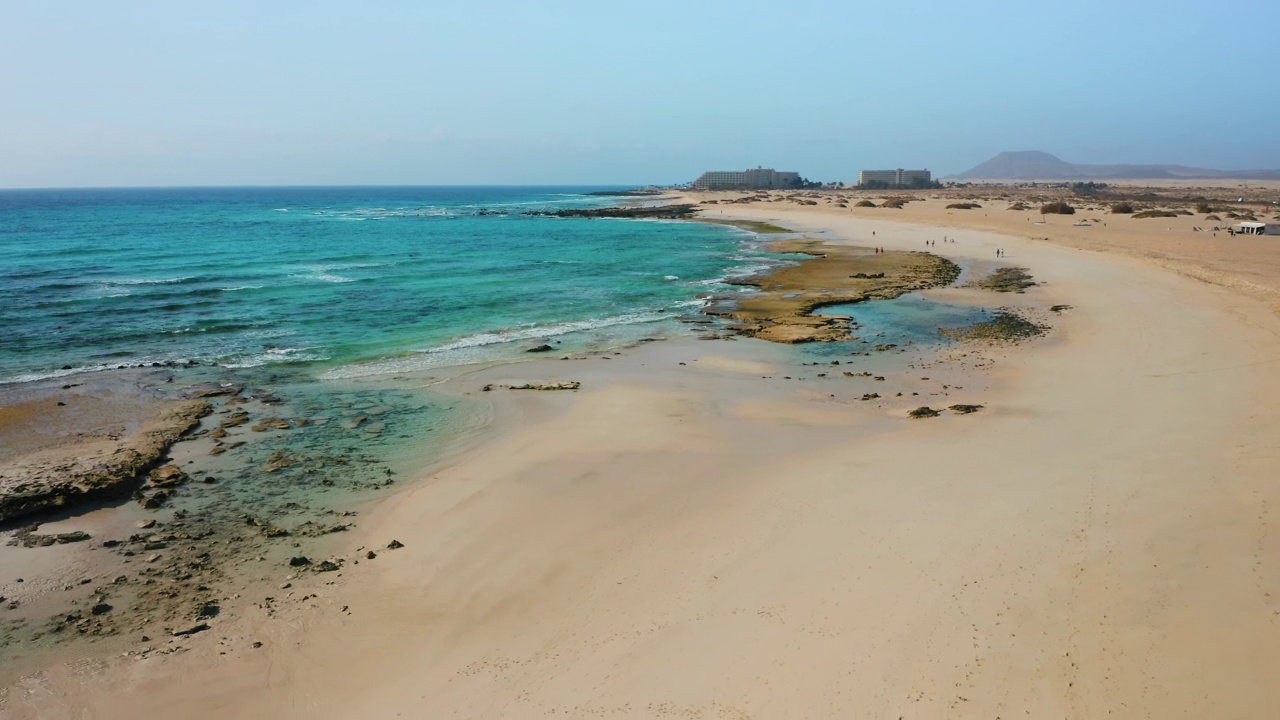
(65, 477)
(655, 212)
(837, 274)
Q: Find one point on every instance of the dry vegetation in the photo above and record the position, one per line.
(1057, 208)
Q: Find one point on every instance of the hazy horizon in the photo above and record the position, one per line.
(334, 94)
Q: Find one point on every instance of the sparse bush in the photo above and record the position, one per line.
(1020, 206)
(1155, 214)
(1213, 217)
(895, 203)
(963, 206)
(864, 203)
(1123, 208)
(1087, 188)
(1057, 208)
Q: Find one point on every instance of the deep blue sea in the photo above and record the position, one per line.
(341, 281)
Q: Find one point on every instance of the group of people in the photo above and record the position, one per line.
(879, 251)
(945, 239)
(999, 252)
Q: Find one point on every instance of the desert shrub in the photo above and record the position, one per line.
(1123, 208)
(1205, 209)
(1213, 217)
(1019, 206)
(895, 203)
(963, 206)
(1057, 208)
(1155, 214)
(864, 203)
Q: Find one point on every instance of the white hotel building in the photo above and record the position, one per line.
(755, 179)
(895, 178)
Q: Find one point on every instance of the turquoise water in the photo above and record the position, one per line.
(341, 281)
(910, 320)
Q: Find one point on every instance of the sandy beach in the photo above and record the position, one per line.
(712, 530)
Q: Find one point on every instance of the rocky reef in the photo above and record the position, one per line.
(1007, 326)
(837, 274)
(96, 469)
(1006, 279)
(645, 212)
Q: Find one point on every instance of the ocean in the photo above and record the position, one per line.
(335, 282)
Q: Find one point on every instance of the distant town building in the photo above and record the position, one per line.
(757, 179)
(895, 178)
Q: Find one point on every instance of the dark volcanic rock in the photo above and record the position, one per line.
(666, 212)
(211, 389)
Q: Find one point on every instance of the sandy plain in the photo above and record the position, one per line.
(711, 530)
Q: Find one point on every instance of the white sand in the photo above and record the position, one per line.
(695, 541)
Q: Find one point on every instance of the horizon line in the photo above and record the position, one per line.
(324, 186)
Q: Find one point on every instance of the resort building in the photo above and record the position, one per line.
(895, 178)
(757, 179)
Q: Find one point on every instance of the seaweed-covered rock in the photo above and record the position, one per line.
(568, 385)
(1006, 279)
(1007, 325)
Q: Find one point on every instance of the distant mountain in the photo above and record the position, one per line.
(1035, 165)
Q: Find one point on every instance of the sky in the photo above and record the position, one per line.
(385, 92)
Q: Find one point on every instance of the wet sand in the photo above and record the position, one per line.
(712, 529)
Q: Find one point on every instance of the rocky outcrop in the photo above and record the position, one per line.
(650, 212)
(1006, 279)
(1007, 326)
(569, 385)
(782, 310)
(64, 479)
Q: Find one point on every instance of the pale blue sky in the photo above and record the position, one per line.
(383, 92)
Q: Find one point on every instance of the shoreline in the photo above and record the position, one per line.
(690, 504)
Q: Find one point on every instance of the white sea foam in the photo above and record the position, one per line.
(323, 277)
(275, 355)
(384, 213)
(149, 281)
(670, 277)
(543, 331)
(486, 347)
(33, 377)
(241, 287)
(742, 271)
